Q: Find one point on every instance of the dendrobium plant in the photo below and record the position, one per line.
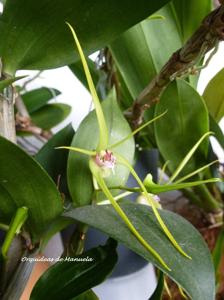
(103, 160)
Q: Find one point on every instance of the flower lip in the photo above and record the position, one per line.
(105, 159)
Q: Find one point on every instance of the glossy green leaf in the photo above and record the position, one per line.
(6, 82)
(89, 295)
(24, 183)
(56, 226)
(157, 295)
(218, 134)
(217, 253)
(55, 161)
(86, 137)
(214, 96)
(190, 14)
(196, 276)
(139, 54)
(50, 115)
(67, 279)
(77, 69)
(37, 98)
(41, 39)
(183, 125)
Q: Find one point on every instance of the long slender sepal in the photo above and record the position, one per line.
(148, 197)
(188, 157)
(121, 213)
(80, 150)
(196, 172)
(103, 139)
(136, 131)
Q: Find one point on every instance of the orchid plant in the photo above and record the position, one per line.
(103, 160)
(144, 92)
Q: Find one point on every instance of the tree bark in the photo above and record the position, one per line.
(7, 119)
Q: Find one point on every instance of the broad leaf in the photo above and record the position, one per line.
(139, 54)
(55, 161)
(218, 133)
(190, 14)
(50, 115)
(183, 125)
(41, 39)
(67, 279)
(77, 69)
(214, 96)
(56, 226)
(89, 295)
(196, 276)
(24, 183)
(37, 98)
(86, 137)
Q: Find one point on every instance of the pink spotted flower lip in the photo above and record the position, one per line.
(105, 159)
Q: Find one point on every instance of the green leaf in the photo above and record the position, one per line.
(77, 70)
(86, 137)
(218, 253)
(214, 96)
(50, 115)
(55, 161)
(190, 14)
(218, 134)
(6, 82)
(157, 295)
(77, 276)
(196, 276)
(24, 183)
(89, 295)
(41, 40)
(37, 98)
(138, 58)
(56, 226)
(183, 125)
(137, 52)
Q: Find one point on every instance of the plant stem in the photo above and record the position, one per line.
(7, 120)
(206, 38)
(77, 240)
(208, 201)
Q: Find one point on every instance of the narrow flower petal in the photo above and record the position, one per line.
(136, 131)
(80, 150)
(162, 224)
(103, 140)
